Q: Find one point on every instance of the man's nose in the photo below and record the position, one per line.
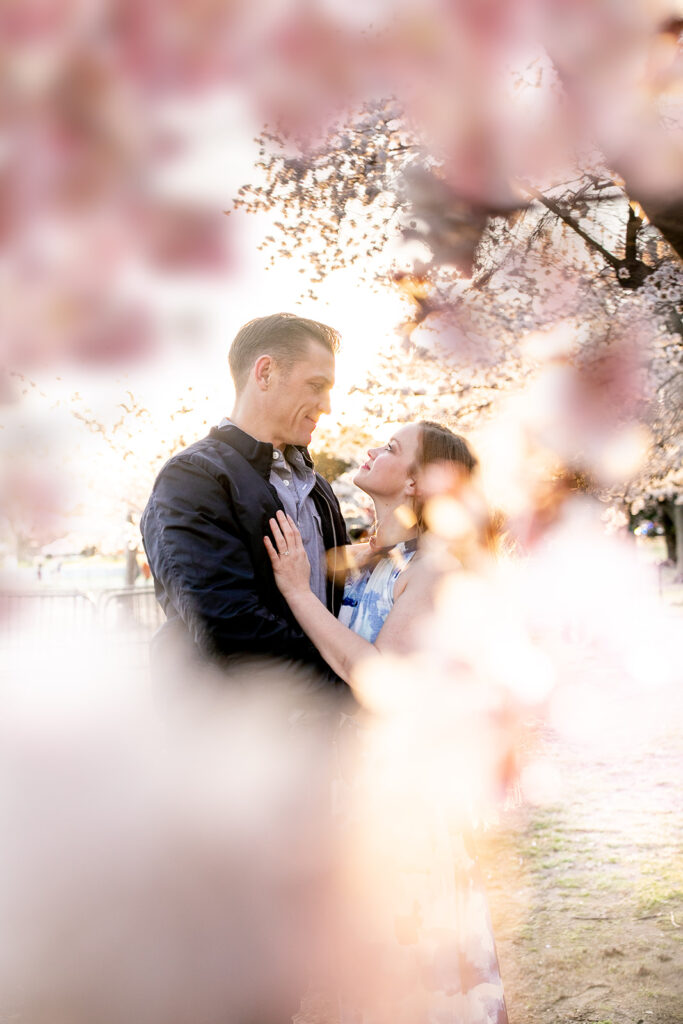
(325, 403)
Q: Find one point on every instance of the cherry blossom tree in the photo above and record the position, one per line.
(496, 94)
(477, 279)
(122, 437)
(118, 439)
(521, 150)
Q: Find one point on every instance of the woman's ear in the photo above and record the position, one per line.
(410, 489)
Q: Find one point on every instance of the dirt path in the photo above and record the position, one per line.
(587, 893)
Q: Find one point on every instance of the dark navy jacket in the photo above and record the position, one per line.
(203, 531)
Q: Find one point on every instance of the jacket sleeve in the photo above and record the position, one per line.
(196, 553)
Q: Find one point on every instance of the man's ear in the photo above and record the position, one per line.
(263, 370)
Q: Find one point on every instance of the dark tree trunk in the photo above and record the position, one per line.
(667, 217)
(678, 527)
(669, 531)
(132, 567)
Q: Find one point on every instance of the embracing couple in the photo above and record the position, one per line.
(246, 542)
(249, 551)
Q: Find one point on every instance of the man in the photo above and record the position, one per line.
(209, 511)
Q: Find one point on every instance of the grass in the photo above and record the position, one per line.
(660, 884)
(656, 895)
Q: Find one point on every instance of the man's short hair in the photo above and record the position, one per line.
(283, 336)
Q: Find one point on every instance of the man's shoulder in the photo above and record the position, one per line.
(210, 455)
(205, 452)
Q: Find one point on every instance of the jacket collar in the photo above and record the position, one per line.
(258, 454)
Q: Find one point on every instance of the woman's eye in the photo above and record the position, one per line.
(389, 447)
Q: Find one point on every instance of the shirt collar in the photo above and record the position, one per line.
(296, 457)
(258, 454)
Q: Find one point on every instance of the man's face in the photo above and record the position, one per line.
(299, 394)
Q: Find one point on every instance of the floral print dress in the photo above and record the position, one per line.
(369, 594)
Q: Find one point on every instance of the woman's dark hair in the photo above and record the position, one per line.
(439, 444)
(283, 336)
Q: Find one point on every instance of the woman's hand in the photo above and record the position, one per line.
(290, 563)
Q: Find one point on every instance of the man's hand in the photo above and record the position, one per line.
(290, 563)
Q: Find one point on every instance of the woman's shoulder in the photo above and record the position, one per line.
(418, 576)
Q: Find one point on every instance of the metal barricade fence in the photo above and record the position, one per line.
(29, 614)
(43, 610)
(131, 609)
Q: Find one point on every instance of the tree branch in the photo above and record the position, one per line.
(554, 208)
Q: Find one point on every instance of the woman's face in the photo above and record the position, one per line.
(388, 473)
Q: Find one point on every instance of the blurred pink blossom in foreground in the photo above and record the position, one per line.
(198, 849)
(497, 91)
(171, 857)
(167, 857)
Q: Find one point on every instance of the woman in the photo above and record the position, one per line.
(383, 600)
(439, 964)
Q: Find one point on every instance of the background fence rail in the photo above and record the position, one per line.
(132, 611)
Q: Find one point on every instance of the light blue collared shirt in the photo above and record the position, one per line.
(294, 481)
